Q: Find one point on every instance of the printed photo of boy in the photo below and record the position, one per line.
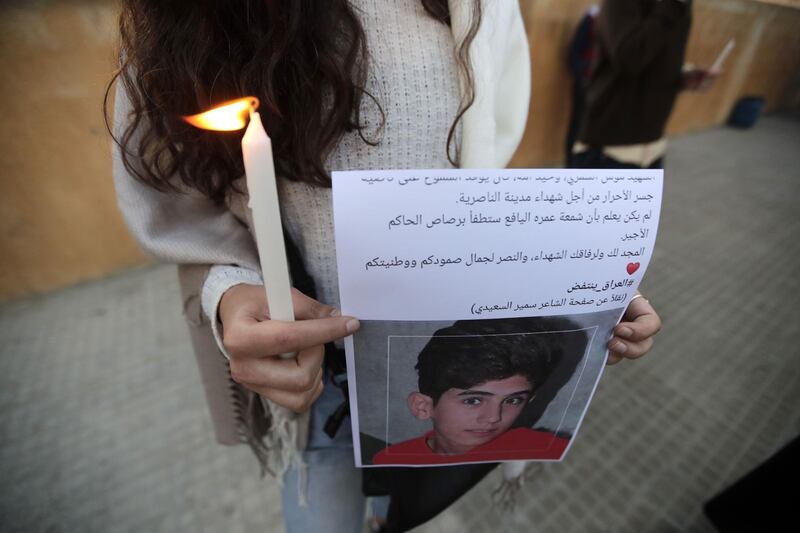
(475, 379)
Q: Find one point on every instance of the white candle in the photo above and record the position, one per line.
(263, 203)
(715, 68)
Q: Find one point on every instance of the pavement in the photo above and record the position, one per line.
(105, 429)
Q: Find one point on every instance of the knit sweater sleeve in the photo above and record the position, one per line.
(221, 278)
(634, 37)
(183, 226)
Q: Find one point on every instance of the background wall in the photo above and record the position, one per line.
(58, 219)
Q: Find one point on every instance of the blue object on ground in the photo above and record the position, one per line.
(746, 112)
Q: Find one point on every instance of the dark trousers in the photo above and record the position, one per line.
(595, 158)
(578, 105)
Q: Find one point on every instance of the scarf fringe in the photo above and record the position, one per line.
(285, 443)
(274, 434)
(515, 474)
(253, 424)
(271, 431)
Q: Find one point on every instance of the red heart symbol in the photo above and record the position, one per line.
(632, 267)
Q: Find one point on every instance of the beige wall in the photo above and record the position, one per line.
(765, 61)
(57, 209)
(58, 218)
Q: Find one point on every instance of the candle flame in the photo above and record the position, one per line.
(228, 116)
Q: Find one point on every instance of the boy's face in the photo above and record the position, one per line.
(466, 418)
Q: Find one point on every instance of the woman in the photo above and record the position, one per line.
(343, 84)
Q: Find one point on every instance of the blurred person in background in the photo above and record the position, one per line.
(637, 74)
(579, 60)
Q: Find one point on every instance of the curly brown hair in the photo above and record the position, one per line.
(305, 60)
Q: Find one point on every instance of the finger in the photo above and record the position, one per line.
(295, 375)
(245, 302)
(297, 402)
(644, 327)
(641, 321)
(283, 337)
(311, 360)
(630, 350)
(273, 337)
(638, 349)
(638, 306)
(318, 392)
(306, 307)
(613, 358)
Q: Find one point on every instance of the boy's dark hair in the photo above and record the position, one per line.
(471, 352)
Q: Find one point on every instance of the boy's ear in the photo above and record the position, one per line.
(420, 405)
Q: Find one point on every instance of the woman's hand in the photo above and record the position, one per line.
(698, 79)
(254, 344)
(633, 337)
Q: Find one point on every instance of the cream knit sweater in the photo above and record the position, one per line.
(413, 75)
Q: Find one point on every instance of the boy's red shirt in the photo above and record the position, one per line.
(515, 444)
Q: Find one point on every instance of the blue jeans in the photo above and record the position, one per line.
(335, 502)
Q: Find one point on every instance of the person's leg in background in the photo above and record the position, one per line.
(595, 158)
(578, 103)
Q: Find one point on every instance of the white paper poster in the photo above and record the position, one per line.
(486, 298)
